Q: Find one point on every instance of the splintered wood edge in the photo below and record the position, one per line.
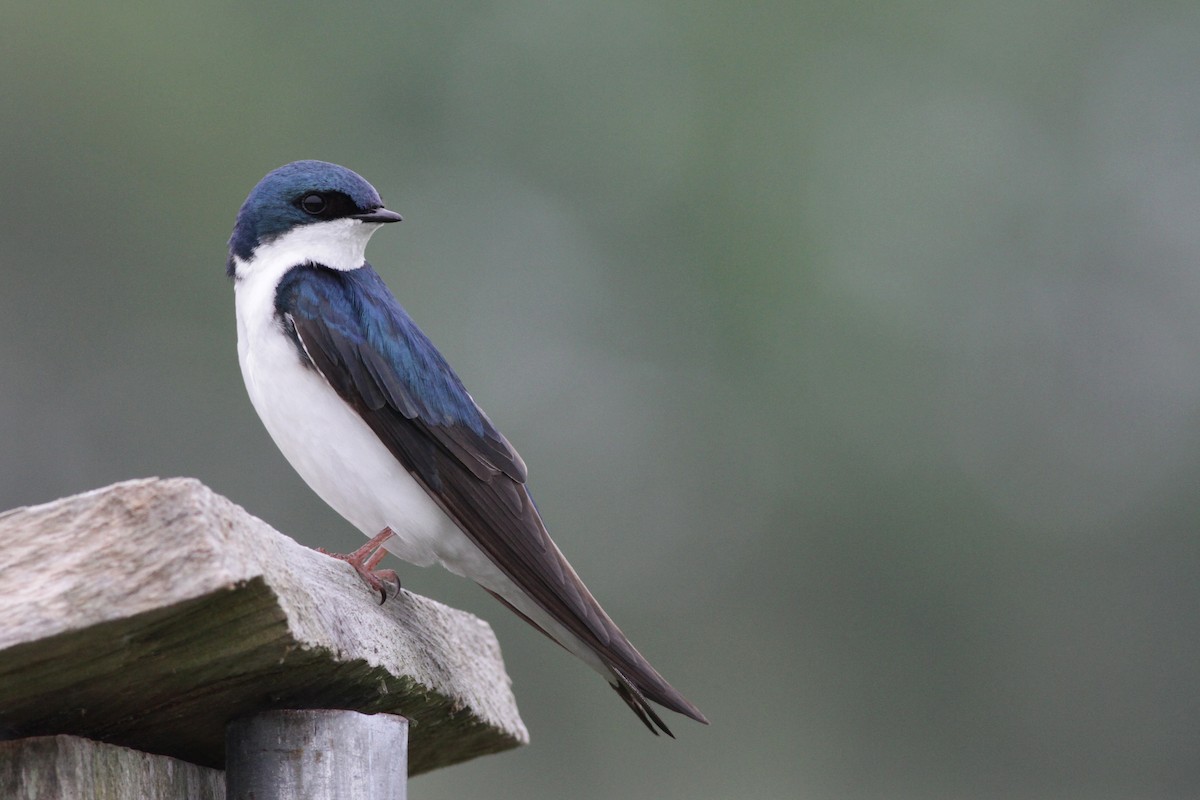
(133, 559)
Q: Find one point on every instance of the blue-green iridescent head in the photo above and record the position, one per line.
(302, 193)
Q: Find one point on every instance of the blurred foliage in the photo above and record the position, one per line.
(852, 347)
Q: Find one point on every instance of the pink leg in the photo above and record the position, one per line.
(366, 558)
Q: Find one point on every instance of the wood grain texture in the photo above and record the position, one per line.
(151, 612)
(57, 767)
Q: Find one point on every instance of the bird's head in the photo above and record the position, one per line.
(325, 213)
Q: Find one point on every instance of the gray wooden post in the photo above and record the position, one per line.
(316, 755)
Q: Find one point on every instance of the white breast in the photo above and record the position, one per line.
(324, 439)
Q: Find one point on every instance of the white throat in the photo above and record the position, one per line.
(338, 244)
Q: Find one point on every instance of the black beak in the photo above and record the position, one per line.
(380, 214)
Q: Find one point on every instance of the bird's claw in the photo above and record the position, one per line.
(364, 561)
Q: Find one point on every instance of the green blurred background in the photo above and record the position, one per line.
(853, 349)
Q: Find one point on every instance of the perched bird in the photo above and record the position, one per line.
(369, 413)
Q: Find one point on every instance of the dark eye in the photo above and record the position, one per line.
(312, 204)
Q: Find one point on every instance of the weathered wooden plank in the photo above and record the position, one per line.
(152, 612)
(59, 767)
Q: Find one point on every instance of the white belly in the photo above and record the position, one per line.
(337, 454)
(334, 451)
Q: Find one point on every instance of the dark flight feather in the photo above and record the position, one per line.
(348, 326)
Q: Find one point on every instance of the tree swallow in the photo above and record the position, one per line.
(369, 413)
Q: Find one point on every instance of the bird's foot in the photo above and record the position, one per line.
(366, 558)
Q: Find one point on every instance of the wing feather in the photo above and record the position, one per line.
(374, 356)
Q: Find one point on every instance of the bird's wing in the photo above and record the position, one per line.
(351, 329)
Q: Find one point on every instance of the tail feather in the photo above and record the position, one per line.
(635, 696)
(636, 701)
